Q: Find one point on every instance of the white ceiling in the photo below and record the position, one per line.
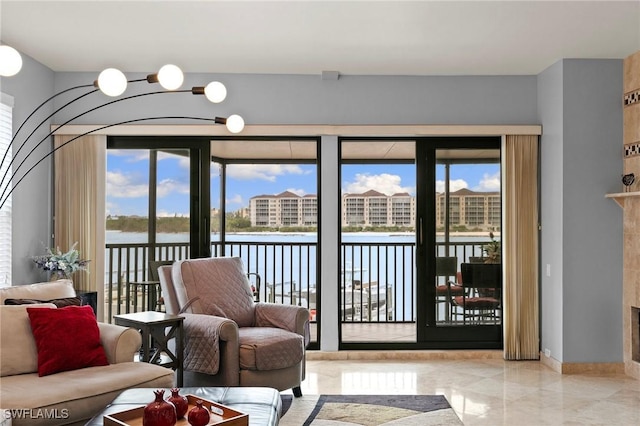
(307, 37)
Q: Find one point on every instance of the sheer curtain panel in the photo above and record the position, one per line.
(79, 205)
(520, 248)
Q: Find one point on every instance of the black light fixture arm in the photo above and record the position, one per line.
(111, 82)
(36, 110)
(4, 197)
(17, 151)
(15, 171)
(11, 143)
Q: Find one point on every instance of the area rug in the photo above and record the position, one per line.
(370, 410)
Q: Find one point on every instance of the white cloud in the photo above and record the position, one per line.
(386, 183)
(111, 208)
(489, 183)
(169, 186)
(132, 155)
(164, 213)
(236, 199)
(268, 172)
(121, 185)
(183, 160)
(454, 185)
(215, 171)
(300, 192)
(136, 155)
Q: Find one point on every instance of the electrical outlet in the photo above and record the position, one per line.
(547, 353)
(548, 270)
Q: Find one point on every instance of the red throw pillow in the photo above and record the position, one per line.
(67, 339)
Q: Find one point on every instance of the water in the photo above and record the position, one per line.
(387, 259)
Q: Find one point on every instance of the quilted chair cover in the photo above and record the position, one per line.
(228, 337)
(218, 286)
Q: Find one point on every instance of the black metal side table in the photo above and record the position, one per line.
(157, 329)
(89, 298)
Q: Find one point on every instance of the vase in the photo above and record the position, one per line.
(199, 416)
(179, 401)
(159, 412)
(58, 275)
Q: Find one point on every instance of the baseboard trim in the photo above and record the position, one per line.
(403, 355)
(582, 367)
(551, 363)
(425, 355)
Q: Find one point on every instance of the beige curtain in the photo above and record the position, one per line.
(520, 240)
(79, 212)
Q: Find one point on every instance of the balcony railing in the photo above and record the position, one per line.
(377, 281)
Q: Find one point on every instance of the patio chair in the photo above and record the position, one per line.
(480, 301)
(154, 276)
(230, 340)
(447, 267)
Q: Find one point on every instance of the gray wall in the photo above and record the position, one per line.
(306, 99)
(592, 225)
(550, 106)
(32, 224)
(580, 109)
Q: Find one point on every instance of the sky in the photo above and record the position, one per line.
(127, 181)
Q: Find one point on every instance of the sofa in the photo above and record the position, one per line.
(65, 397)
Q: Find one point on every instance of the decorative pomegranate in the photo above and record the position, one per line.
(159, 412)
(199, 415)
(180, 402)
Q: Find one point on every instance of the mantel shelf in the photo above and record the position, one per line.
(621, 196)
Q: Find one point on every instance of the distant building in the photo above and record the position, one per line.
(470, 209)
(473, 210)
(284, 209)
(373, 208)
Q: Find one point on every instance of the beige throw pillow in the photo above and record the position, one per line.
(18, 351)
(41, 291)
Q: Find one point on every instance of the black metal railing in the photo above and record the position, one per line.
(377, 281)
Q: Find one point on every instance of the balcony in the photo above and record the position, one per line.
(377, 281)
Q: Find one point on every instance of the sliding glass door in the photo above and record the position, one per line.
(157, 211)
(458, 262)
(421, 224)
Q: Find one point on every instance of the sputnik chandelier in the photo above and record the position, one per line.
(111, 82)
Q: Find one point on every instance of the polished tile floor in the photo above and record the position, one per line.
(487, 391)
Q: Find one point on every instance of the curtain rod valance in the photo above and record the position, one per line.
(308, 129)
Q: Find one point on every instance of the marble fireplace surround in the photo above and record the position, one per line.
(635, 334)
(630, 202)
(631, 285)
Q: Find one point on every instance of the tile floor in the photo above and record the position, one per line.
(487, 391)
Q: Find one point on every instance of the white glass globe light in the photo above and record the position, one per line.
(10, 61)
(215, 92)
(112, 82)
(170, 77)
(235, 123)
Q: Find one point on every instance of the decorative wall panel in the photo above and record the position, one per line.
(631, 222)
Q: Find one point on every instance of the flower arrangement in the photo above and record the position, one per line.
(492, 250)
(61, 264)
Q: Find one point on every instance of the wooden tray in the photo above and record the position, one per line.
(229, 417)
